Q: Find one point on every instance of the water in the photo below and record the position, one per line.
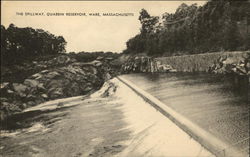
(106, 123)
(217, 103)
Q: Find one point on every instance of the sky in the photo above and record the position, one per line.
(86, 33)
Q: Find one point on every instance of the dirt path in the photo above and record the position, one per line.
(112, 122)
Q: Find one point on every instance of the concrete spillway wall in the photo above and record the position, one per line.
(210, 142)
(199, 62)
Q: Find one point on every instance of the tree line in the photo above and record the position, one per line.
(216, 26)
(84, 56)
(18, 44)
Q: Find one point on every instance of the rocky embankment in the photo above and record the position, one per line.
(218, 63)
(145, 64)
(59, 77)
(232, 65)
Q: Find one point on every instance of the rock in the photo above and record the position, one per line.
(3, 104)
(10, 91)
(44, 71)
(34, 83)
(172, 70)
(31, 83)
(241, 70)
(56, 93)
(24, 106)
(42, 66)
(99, 58)
(20, 89)
(3, 99)
(4, 85)
(222, 58)
(246, 55)
(36, 76)
(107, 77)
(231, 65)
(10, 107)
(44, 96)
(31, 103)
(38, 101)
(30, 96)
(234, 69)
(109, 58)
(52, 75)
(87, 89)
(55, 88)
(40, 86)
(64, 78)
(96, 63)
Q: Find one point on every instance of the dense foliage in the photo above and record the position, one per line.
(216, 26)
(18, 44)
(91, 56)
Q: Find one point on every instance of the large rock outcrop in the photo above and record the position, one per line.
(61, 77)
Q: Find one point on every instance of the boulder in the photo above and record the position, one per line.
(23, 106)
(107, 76)
(52, 75)
(109, 58)
(10, 107)
(31, 83)
(44, 71)
(55, 93)
(44, 96)
(36, 76)
(241, 70)
(96, 63)
(10, 91)
(30, 103)
(20, 89)
(99, 58)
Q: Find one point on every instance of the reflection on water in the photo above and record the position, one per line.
(217, 103)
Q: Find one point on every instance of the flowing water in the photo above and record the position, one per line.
(217, 103)
(115, 121)
(107, 123)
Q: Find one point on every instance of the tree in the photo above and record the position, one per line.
(218, 25)
(18, 44)
(148, 22)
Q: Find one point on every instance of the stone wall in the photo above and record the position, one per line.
(203, 62)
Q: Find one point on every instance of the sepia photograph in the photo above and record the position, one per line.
(125, 78)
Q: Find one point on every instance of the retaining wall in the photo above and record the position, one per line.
(199, 62)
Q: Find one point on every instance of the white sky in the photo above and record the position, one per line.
(88, 33)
